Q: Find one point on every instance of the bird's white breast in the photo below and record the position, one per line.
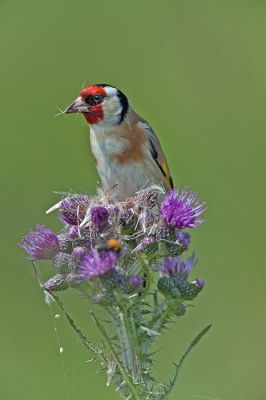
(130, 178)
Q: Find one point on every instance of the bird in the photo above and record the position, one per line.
(125, 149)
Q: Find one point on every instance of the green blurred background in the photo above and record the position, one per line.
(196, 71)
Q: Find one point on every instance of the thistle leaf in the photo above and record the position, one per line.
(169, 386)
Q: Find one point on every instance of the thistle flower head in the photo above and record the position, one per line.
(78, 253)
(62, 262)
(99, 217)
(97, 263)
(65, 242)
(175, 266)
(73, 232)
(183, 238)
(148, 198)
(42, 244)
(56, 283)
(182, 210)
(73, 208)
(199, 283)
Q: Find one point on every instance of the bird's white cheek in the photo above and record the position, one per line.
(112, 112)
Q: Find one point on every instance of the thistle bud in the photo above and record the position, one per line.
(193, 289)
(61, 262)
(56, 283)
(167, 288)
(65, 242)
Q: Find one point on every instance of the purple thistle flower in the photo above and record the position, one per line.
(183, 238)
(78, 253)
(174, 266)
(73, 232)
(133, 280)
(96, 264)
(73, 208)
(182, 210)
(41, 245)
(99, 216)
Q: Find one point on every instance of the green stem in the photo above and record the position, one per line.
(158, 323)
(128, 331)
(122, 370)
(149, 276)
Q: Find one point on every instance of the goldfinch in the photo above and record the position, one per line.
(125, 148)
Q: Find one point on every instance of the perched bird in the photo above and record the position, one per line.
(125, 148)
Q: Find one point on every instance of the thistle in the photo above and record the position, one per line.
(128, 258)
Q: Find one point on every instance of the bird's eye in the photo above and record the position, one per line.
(94, 99)
(97, 98)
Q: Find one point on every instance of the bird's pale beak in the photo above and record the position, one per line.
(78, 106)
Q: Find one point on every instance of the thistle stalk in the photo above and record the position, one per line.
(124, 374)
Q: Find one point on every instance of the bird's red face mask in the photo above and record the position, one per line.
(89, 103)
